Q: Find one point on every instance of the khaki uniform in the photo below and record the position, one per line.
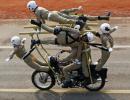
(30, 60)
(68, 11)
(107, 41)
(43, 14)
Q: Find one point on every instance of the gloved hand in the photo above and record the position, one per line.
(83, 18)
(7, 59)
(33, 42)
(116, 27)
(35, 22)
(110, 50)
(53, 61)
(80, 7)
(23, 40)
(81, 23)
(57, 30)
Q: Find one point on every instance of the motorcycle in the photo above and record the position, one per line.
(46, 80)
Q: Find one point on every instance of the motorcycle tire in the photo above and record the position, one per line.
(92, 87)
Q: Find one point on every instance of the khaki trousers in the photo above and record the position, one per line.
(104, 57)
(57, 18)
(35, 64)
(69, 68)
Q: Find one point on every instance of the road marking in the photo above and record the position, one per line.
(74, 90)
(122, 46)
(58, 48)
(6, 47)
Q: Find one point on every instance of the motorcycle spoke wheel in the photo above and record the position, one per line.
(96, 85)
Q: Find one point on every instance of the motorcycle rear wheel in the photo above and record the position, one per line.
(96, 85)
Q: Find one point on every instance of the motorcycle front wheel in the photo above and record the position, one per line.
(43, 80)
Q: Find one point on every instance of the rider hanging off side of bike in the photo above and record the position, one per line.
(19, 50)
(106, 41)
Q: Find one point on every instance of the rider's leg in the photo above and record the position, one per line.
(38, 62)
(75, 17)
(71, 10)
(57, 18)
(104, 57)
(29, 61)
(85, 65)
(69, 68)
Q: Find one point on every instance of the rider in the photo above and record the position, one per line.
(107, 41)
(43, 14)
(20, 51)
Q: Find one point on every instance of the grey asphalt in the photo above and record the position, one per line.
(17, 75)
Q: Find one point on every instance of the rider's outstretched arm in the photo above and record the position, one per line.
(11, 55)
(113, 29)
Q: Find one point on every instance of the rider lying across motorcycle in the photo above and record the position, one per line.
(106, 41)
(43, 14)
(20, 51)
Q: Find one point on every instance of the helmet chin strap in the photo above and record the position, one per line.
(35, 9)
(107, 29)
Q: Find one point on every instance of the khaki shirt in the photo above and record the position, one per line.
(41, 13)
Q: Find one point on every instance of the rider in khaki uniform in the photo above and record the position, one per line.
(20, 51)
(107, 41)
(43, 14)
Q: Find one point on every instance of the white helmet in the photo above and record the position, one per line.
(15, 40)
(31, 5)
(77, 27)
(88, 37)
(105, 28)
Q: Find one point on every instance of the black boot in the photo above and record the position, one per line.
(67, 83)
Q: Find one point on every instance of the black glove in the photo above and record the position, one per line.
(33, 42)
(81, 23)
(57, 30)
(83, 18)
(35, 22)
